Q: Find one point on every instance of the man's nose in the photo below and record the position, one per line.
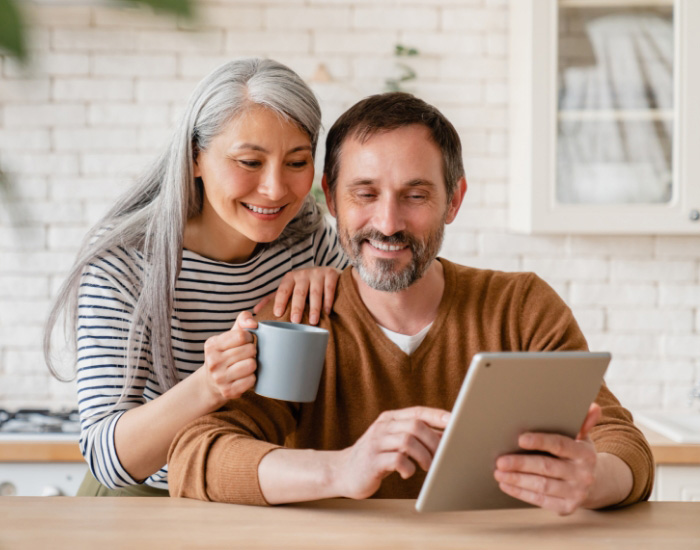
(272, 185)
(388, 217)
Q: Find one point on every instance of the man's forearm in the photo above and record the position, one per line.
(291, 475)
(613, 482)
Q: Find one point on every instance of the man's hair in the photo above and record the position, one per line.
(390, 111)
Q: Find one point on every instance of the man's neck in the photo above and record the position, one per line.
(407, 311)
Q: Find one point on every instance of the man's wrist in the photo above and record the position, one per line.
(333, 473)
(613, 482)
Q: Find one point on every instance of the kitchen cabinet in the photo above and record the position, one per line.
(42, 466)
(605, 120)
(677, 468)
(677, 482)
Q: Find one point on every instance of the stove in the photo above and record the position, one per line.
(39, 425)
(27, 476)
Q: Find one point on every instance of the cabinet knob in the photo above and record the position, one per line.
(51, 491)
(694, 215)
(7, 489)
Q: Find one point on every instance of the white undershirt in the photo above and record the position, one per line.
(405, 342)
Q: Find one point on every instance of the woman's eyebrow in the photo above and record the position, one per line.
(254, 147)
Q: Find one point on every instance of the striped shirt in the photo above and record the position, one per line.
(209, 295)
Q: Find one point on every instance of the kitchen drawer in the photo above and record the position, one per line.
(41, 478)
(677, 482)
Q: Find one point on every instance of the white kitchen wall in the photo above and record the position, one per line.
(107, 83)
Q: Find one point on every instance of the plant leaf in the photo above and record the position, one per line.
(177, 7)
(12, 30)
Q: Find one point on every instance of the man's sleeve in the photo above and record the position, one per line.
(547, 324)
(216, 457)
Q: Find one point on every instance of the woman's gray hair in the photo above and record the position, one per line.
(150, 218)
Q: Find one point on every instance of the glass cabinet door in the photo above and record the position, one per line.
(615, 112)
(605, 121)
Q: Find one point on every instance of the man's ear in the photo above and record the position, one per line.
(456, 201)
(329, 196)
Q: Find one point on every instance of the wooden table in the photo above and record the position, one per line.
(105, 523)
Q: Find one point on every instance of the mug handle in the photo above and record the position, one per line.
(255, 335)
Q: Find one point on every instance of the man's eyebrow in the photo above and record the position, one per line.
(420, 183)
(254, 147)
(411, 183)
(360, 181)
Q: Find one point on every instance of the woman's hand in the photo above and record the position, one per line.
(229, 361)
(318, 283)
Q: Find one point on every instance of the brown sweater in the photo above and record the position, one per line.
(216, 457)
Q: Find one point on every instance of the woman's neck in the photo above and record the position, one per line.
(215, 244)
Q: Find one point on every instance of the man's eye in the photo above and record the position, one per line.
(250, 163)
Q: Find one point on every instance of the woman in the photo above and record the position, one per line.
(221, 219)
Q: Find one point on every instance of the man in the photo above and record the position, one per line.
(403, 330)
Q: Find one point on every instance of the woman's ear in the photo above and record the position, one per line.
(195, 159)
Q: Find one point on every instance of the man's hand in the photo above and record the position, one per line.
(396, 442)
(561, 482)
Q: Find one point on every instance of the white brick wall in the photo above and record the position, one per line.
(107, 83)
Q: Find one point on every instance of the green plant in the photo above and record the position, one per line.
(13, 22)
(406, 72)
(13, 41)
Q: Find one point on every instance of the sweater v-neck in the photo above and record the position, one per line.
(347, 289)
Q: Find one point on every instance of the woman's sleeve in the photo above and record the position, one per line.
(105, 312)
(327, 249)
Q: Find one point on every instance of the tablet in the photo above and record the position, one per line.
(503, 395)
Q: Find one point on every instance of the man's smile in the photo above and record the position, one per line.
(386, 247)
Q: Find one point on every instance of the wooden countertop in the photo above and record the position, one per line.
(141, 522)
(40, 451)
(665, 451)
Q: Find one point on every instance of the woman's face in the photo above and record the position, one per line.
(256, 175)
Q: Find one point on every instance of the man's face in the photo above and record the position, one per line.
(391, 204)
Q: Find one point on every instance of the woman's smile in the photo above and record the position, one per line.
(255, 177)
(264, 213)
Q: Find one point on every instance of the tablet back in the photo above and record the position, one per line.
(502, 396)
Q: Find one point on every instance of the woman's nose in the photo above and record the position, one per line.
(272, 185)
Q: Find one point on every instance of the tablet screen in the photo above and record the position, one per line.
(503, 395)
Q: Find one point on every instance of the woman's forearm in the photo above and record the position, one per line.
(143, 435)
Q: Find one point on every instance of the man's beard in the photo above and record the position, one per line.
(384, 274)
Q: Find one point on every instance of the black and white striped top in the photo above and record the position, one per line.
(209, 295)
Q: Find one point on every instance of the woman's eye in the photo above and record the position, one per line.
(298, 163)
(250, 163)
